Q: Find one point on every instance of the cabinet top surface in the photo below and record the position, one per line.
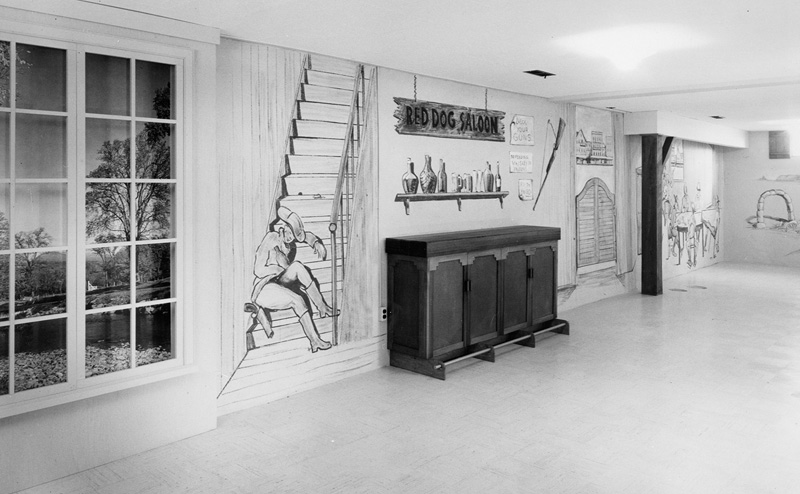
(433, 244)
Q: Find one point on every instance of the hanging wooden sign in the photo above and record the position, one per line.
(426, 118)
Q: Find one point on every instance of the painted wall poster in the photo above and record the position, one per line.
(594, 137)
(521, 131)
(520, 162)
(526, 190)
(595, 181)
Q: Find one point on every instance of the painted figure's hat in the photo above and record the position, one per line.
(293, 221)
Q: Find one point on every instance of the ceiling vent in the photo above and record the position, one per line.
(540, 73)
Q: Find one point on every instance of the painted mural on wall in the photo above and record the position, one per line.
(774, 211)
(298, 290)
(429, 185)
(594, 179)
(691, 220)
(283, 282)
(787, 221)
(546, 169)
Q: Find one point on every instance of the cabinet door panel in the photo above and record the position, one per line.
(543, 284)
(483, 298)
(404, 325)
(447, 307)
(515, 291)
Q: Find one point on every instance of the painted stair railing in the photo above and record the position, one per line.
(349, 163)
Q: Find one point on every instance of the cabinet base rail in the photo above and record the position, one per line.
(436, 368)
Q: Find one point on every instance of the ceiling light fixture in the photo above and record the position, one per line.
(540, 73)
(717, 117)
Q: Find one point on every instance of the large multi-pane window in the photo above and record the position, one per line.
(89, 226)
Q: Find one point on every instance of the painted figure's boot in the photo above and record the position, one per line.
(324, 309)
(317, 343)
(260, 316)
(263, 318)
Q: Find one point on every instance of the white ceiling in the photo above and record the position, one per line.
(735, 58)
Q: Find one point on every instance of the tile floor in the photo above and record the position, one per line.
(694, 391)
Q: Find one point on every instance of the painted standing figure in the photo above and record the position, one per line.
(280, 280)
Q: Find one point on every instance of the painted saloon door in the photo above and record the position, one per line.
(596, 224)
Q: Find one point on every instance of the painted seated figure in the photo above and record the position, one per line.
(281, 281)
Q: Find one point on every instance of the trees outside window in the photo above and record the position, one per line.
(100, 154)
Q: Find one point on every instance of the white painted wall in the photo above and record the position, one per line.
(43, 445)
(748, 173)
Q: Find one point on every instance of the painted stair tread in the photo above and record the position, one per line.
(305, 206)
(325, 94)
(338, 81)
(306, 254)
(309, 184)
(287, 317)
(324, 112)
(332, 65)
(313, 128)
(318, 146)
(313, 164)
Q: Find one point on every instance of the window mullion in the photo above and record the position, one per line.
(133, 195)
(12, 276)
(80, 215)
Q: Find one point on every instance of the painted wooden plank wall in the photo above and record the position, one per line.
(359, 311)
(256, 86)
(568, 246)
(626, 197)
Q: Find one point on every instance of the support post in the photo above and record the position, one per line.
(655, 152)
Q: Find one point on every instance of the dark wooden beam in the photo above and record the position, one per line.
(655, 152)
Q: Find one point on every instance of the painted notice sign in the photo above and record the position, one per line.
(520, 162)
(526, 190)
(427, 118)
(521, 131)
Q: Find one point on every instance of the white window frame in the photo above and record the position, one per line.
(78, 386)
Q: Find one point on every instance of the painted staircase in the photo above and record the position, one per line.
(313, 157)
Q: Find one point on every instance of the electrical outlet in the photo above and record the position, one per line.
(384, 313)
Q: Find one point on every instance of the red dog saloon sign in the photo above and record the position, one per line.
(427, 118)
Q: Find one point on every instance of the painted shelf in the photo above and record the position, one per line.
(407, 199)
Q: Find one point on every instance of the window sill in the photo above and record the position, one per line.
(85, 392)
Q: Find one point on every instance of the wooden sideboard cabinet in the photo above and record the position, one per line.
(462, 294)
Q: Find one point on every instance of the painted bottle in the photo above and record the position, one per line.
(467, 185)
(498, 183)
(410, 180)
(476, 187)
(442, 177)
(488, 179)
(427, 178)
